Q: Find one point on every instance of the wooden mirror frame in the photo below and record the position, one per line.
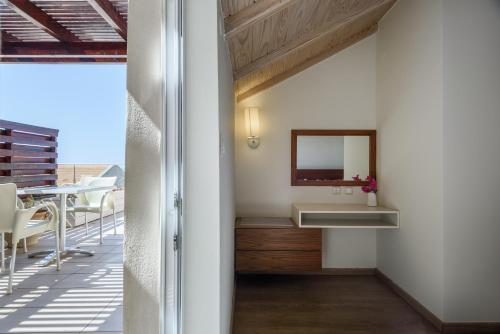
(372, 134)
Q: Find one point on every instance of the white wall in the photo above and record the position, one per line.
(209, 195)
(143, 162)
(226, 182)
(410, 147)
(338, 93)
(472, 160)
(202, 208)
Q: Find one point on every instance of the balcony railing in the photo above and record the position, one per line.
(28, 154)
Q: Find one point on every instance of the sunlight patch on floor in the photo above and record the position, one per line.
(86, 296)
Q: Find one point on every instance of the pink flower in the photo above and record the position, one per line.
(372, 184)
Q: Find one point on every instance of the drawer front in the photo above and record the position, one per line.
(278, 261)
(278, 239)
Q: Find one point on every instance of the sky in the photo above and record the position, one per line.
(87, 103)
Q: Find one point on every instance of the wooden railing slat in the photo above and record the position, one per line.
(5, 152)
(28, 128)
(5, 166)
(20, 166)
(26, 172)
(34, 184)
(24, 147)
(27, 141)
(28, 178)
(33, 154)
(34, 136)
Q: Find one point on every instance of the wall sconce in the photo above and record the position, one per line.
(252, 126)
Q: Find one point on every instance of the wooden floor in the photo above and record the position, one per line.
(287, 304)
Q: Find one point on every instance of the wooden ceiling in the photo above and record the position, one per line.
(271, 40)
(63, 30)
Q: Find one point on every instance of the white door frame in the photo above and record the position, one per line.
(172, 168)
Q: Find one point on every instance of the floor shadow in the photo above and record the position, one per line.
(85, 296)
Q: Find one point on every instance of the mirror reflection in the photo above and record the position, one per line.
(322, 158)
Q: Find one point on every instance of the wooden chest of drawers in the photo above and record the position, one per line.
(271, 245)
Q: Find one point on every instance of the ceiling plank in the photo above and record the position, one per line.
(231, 7)
(252, 14)
(41, 19)
(53, 49)
(308, 62)
(308, 39)
(108, 12)
(6, 37)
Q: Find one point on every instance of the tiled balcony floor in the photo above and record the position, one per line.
(85, 296)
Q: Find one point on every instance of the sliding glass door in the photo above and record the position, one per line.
(172, 180)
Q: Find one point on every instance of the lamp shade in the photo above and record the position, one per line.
(252, 122)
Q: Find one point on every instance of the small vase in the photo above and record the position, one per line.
(372, 199)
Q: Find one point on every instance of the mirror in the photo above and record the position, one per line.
(332, 157)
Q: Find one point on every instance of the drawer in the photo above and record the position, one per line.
(278, 239)
(278, 261)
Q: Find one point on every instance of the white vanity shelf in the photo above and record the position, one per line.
(344, 216)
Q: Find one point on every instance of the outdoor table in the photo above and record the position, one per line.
(63, 191)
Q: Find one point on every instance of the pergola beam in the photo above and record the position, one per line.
(51, 60)
(41, 19)
(6, 37)
(57, 49)
(108, 12)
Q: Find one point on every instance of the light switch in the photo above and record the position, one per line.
(348, 190)
(336, 190)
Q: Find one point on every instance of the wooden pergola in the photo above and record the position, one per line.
(69, 31)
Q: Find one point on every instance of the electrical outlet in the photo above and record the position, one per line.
(348, 190)
(336, 190)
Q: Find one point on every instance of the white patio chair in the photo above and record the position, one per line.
(20, 205)
(19, 223)
(96, 201)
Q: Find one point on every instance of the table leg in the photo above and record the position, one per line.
(2, 236)
(62, 224)
(67, 251)
(51, 255)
